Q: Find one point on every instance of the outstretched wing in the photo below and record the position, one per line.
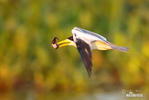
(86, 54)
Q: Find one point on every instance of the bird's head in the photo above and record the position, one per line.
(67, 42)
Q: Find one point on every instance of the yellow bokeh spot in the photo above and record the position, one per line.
(145, 48)
(134, 64)
(119, 38)
(85, 19)
(4, 72)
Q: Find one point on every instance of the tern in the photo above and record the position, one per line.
(86, 41)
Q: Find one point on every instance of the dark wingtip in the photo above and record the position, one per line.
(89, 73)
(54, 43)
(89, 70)
(86, 55)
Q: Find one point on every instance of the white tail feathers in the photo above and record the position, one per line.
(122, 49)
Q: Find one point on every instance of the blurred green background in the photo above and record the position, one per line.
(31, 69)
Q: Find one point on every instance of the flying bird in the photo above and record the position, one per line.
(86, 41)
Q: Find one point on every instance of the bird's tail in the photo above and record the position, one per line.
(119, 48)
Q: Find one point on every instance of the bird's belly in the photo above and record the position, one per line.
(100, 45)
(90, 40)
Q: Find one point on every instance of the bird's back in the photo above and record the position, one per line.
(88, 35)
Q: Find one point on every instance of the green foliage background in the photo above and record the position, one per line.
(28, 62)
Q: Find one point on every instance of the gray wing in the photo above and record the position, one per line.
(91, 33)
(86, 54)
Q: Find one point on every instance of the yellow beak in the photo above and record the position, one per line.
(66, 42)
(63, 43)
